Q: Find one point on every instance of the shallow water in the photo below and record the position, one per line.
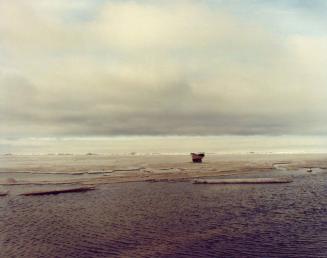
(171, 220)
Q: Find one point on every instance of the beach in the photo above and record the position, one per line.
(147, 206)
(45, 170)
(163, 129)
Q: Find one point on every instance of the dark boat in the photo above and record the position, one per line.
(197, 157)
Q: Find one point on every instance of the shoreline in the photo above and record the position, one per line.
(99, 170)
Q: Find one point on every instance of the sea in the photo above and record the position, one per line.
(162, 219)
(224, 144)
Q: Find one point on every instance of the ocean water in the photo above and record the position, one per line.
(177, 219)
(227, 144)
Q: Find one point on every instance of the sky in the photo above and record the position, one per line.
(106, 68)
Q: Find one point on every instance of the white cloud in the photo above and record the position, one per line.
(164, 68)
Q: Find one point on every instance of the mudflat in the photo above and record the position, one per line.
(103, 169)
(162, 213)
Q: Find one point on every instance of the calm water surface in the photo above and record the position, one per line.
(171, 220)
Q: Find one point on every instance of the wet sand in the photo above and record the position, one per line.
(102, 169)
(127, 215)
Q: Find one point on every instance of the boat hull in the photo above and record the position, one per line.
(197, 157)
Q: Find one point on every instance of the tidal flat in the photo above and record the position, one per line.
(147, 206)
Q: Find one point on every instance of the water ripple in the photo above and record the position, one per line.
(170, 220)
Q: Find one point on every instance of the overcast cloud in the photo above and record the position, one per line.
(101, 68)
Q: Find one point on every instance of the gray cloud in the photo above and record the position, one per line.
(141, 68)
